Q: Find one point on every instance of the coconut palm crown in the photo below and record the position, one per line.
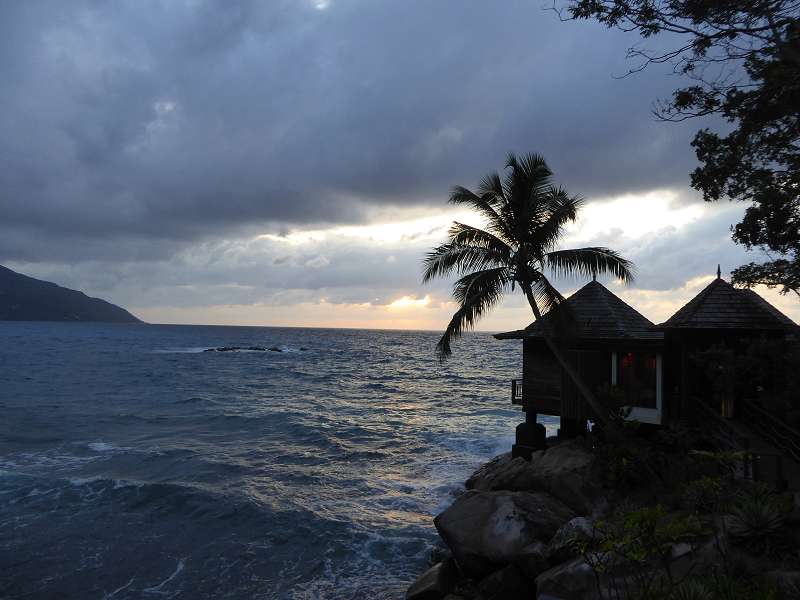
(525, 215)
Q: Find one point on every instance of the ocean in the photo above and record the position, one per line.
(135, 465)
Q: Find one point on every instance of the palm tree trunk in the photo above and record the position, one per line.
(600, 411)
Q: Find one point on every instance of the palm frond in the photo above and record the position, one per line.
(560, 210)
(589, 262)
(477, 282)
(546, 295)
(528, 179)
(479, 292)
(491, 187)
(485, 204)
(552, 303)
(467, 235)
(448, 258)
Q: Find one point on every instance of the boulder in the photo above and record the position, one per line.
(562, 546)
(503, 473)
(533, 559)
(509, 583)
(567, 472)
(488, 529)
(435, 583)
(574, 580)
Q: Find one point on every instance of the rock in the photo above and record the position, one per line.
(487, 529)
(533, 559)
(567, 472)
(509, 583)
(574, 580)
(503, 473)
(562, 546)
(235, 349)
(274, 349)
(435, 583)
(681, 549)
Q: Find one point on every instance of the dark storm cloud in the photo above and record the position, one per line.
(128, 129)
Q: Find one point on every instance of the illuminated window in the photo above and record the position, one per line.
(636, 376)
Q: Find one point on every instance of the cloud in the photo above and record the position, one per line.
(202, 160)
(141, 127)
(356, 279)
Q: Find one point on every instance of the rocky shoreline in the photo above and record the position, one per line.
(538, 529)
(509, 530)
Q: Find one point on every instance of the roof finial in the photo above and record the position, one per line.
(594, 275)
(719, 272)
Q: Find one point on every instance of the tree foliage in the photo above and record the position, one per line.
(743, 57)
(525, 216)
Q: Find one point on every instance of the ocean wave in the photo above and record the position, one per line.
(105, 447)
(271, 475)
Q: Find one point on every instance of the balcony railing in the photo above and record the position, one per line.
(516, 391)
(772, 429)
(761, 464)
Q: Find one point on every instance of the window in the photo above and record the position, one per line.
(638, 377)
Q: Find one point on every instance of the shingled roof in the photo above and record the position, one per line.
(722, 306)
(596, 313)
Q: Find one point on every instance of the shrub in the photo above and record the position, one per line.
(721, 587)
(706, 495)
(756, 519)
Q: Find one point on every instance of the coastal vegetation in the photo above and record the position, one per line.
(743, 61)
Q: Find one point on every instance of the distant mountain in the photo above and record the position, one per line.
(24, 298)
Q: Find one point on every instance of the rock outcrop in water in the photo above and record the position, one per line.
(249, 349)
(24, 298)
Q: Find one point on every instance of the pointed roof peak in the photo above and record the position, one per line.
(721, 306)
(596, 313)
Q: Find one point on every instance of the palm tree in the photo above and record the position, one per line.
(525, 217)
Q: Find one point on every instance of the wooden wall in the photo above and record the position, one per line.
(541, 378)
(594, 366)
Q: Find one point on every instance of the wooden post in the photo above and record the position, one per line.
(684, 383)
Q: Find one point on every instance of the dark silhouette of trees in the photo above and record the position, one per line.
(525, 216)
(744, 59)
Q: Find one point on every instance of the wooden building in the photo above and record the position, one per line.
(719, 315)
(625, 359)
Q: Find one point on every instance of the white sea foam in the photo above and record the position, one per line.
(101, 446)
(156, 589)
(119, 589)
(104, 447)
(79, 481)
(30, 462)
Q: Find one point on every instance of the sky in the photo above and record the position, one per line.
(289, 162)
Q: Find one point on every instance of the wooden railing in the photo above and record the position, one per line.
(516, 391)
(772, 429)
(758, 464)
(726, 438)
